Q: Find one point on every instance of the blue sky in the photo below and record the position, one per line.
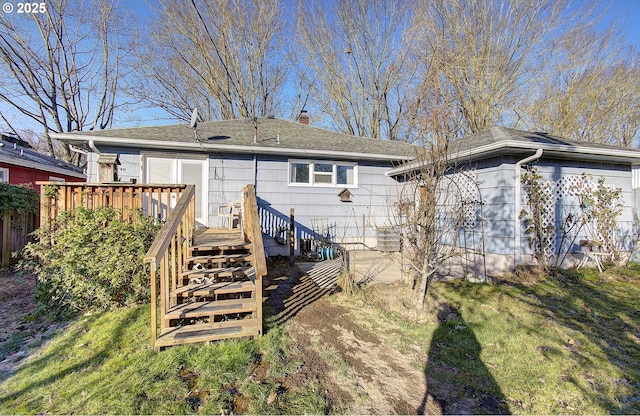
(629, 12)
(626, 12)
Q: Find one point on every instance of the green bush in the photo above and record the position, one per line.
(90, 260)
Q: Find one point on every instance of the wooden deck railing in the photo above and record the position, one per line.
(167, 255)
(253, 235)
(153, 199)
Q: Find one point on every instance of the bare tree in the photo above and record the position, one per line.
(590, 92)
(429, 216)
(487, 51)
(223, 57)
(356, 58)
(428, 211)
(62, 67)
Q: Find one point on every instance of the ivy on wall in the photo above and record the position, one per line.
(19, 199)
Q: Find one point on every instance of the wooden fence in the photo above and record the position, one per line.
(15, 233)
(155, 200)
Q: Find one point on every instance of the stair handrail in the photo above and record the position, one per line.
(176, 236)
(253, 234)
(252, 230)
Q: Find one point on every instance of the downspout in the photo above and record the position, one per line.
(518, 204)
(255, 173)
(93, 147)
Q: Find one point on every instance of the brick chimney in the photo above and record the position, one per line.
(304, 117)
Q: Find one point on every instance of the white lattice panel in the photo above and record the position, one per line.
(548, 211)
(468, 197)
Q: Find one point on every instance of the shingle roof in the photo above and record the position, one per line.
(273, 135)
(27, 157)
(502, 140)
(535, 139)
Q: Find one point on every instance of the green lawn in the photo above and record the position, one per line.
(104, 364)
(568, 344)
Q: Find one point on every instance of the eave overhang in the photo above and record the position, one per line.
(223, 148)
(612, 155)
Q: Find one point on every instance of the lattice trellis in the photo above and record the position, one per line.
(573, 185)
(568, 186)
(468, 197)
(548, 219)
(584, 190)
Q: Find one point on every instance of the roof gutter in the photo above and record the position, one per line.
(167, 145)
(517, 249)
(76, 150)
(514, 144)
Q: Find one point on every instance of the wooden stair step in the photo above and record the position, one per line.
(214, 289)
(223, 246)
(207, 332)
(219, 307)
(219, 272)
(221, 258)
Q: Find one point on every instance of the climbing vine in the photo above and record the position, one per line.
(598, 207)
(19, 199)
(603, 206)
(539, 224)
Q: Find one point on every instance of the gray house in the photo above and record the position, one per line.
(343, 189)
(335, 183)
(492, 163)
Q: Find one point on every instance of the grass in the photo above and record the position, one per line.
(12, 344)
(567, 344)
(104, 364)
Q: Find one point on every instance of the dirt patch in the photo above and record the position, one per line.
(16, 295)
(362, 373)
(16, 300)
(19, 333)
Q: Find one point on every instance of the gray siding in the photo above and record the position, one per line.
(319, 208)
(495, 177)
(316, 208)
(496, 185)
(495, 182)
(129, 168)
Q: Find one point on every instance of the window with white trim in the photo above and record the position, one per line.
(323, 173)
(4, 175)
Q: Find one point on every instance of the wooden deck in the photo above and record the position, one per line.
(206, 284)
(215, 297)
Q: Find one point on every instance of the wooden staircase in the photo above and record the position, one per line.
(210, 280)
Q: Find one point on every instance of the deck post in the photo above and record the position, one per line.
(154, 307)
(292, 243)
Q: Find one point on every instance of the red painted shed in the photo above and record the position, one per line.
(21, 164)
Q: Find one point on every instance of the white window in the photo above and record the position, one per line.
(4, 175)
(323, 173)
(56, 179)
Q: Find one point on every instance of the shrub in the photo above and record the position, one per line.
(90, 259)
